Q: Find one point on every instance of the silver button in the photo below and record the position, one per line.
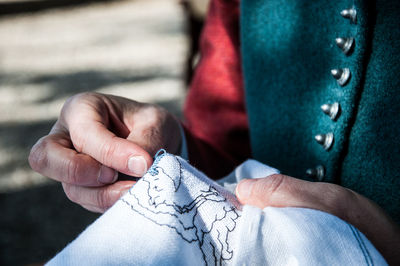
(332, 110)
(342, 75)
(326, 140)
(345, 44)
(317, 172)
(350, 13)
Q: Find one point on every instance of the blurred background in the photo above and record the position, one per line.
(52, 49)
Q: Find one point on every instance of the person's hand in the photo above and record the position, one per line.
(285, 191)
(97, 136)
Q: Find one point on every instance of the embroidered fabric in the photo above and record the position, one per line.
(175, 215)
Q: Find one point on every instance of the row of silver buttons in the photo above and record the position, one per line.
(342, 77)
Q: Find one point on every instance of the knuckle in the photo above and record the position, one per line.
(83, 96)
(103, 200)
(86, 98)
(272, 185)
(263, 192)
(70, 103)
(38, 157)
(152, 140)
(152, 131)
(107, 152)
(72, 167)
(74, 102)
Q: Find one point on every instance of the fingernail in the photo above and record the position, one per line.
(243, 189)
(107, 175)
(137, 165)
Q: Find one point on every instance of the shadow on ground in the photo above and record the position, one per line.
(19, 138)
(36, 223)
(66, 84)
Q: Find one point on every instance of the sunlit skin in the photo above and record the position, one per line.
(97, 136)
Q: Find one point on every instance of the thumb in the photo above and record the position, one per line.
(277, 191)
(285, 191)
(258, 192)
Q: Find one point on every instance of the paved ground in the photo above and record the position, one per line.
(131, 48)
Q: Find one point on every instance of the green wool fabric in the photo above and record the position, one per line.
(288, 49)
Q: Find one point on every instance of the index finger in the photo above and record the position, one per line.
(53, 156)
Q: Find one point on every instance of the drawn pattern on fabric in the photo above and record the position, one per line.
(200, 216)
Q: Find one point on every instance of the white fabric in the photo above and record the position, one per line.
(248, 169)
(175, 215)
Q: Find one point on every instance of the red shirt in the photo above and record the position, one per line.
(216, 126)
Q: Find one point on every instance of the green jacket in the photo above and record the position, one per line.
(289, 49)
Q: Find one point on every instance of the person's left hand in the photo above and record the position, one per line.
(368, 217)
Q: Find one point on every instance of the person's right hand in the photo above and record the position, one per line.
(97, 136)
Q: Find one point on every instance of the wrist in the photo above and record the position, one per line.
(378, 227)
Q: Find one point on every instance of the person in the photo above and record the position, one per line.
(257, 92)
